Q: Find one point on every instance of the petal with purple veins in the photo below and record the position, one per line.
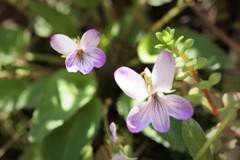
(139, 117)
(71, 61)
(96, 55)
(131, 83)
(84, 66)
(90, 39)
(178, 107)
(62, 44)
(159, 115)
(163, 72)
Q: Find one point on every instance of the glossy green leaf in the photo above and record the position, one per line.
(204, 47)
(172, 139)
(71, 139)
(59, 22)
(214, 78)
(194, 138)
(64, 94)
(14, 42)
(9, 93)
(146, 51)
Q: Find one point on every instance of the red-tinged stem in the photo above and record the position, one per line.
(198, 80)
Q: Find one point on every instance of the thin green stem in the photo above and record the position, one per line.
(206, 146)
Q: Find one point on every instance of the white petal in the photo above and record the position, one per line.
(163, 72)
(131, 83)
(62, 44)
(90, 39)
(178, 107)
(159, 114)
(139, 117)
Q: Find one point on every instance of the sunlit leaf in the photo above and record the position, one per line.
(14, 42)
(64, 94)
(71, 139)
(194, 138)
(146, 51)
(67, 141)
(9, 93)
(59, 22)
(214, 78)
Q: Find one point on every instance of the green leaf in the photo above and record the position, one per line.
(31, 96)
(146, 51)
(182, 75)
(9, 93)
(194, 138)
(71, 139)
(59, 22)
(204, 47)
(191, 62)
(186, 45)
(64, 94)
(14, 42)
(214, 78)
(201, 63)
(172, 139)
(67, 141)
(204, 85)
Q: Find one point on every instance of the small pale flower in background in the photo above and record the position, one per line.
(80, 56)
(157, 109)
(112, 128)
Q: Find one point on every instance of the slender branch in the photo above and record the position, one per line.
(198, 80)
(168, 17)
(216, 31)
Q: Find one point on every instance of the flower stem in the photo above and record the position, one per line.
(206, 146)
(198, 80)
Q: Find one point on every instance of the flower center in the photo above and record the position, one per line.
(80, 52)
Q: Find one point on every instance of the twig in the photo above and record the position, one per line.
(216, 31)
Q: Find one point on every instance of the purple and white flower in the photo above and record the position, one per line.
(113, 130)
(159, 107)
(82, 55)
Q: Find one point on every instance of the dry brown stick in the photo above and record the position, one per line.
(196, 8)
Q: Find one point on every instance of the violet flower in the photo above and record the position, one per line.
(113, 130)
(157, 109)
(82, 55)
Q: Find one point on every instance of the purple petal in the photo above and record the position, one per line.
(70, 62)
(95, 55)
(90, 39)
(139, 117)
(112, 128)
(159, 115)
(178, 107)
(163, 72)
(62, 44)
(84, 66)
(131, 83)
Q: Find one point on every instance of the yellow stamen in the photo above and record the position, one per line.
(79, 52)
